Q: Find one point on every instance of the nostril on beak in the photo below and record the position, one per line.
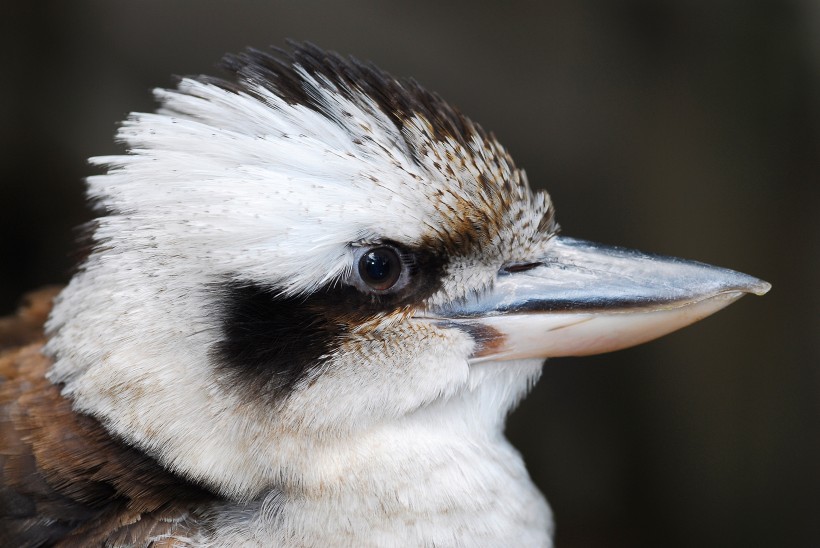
(519, 267)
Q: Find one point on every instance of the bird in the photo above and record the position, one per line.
(312, 295)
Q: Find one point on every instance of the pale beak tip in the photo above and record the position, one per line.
(745, 284)
(759, 288)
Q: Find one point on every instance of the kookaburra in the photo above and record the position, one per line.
(313, 294)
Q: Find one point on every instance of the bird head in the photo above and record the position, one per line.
(309, 251)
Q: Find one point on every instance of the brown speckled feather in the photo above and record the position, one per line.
(63, 480)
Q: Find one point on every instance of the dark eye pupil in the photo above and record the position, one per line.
(377, 266)
(380, 268)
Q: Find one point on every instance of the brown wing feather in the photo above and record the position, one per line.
(64, 480)
(26, 326)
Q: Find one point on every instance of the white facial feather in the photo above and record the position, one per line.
(250, 186)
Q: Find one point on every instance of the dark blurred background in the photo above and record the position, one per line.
(681, 127)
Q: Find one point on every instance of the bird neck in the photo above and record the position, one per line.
(442, 476)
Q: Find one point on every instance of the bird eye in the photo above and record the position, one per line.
(380, 268)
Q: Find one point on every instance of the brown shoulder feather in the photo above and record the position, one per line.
(26, 326)
(64, 481)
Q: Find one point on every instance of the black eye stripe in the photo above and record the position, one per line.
(270, 343)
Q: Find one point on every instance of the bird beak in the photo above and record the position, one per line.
(583, 298)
